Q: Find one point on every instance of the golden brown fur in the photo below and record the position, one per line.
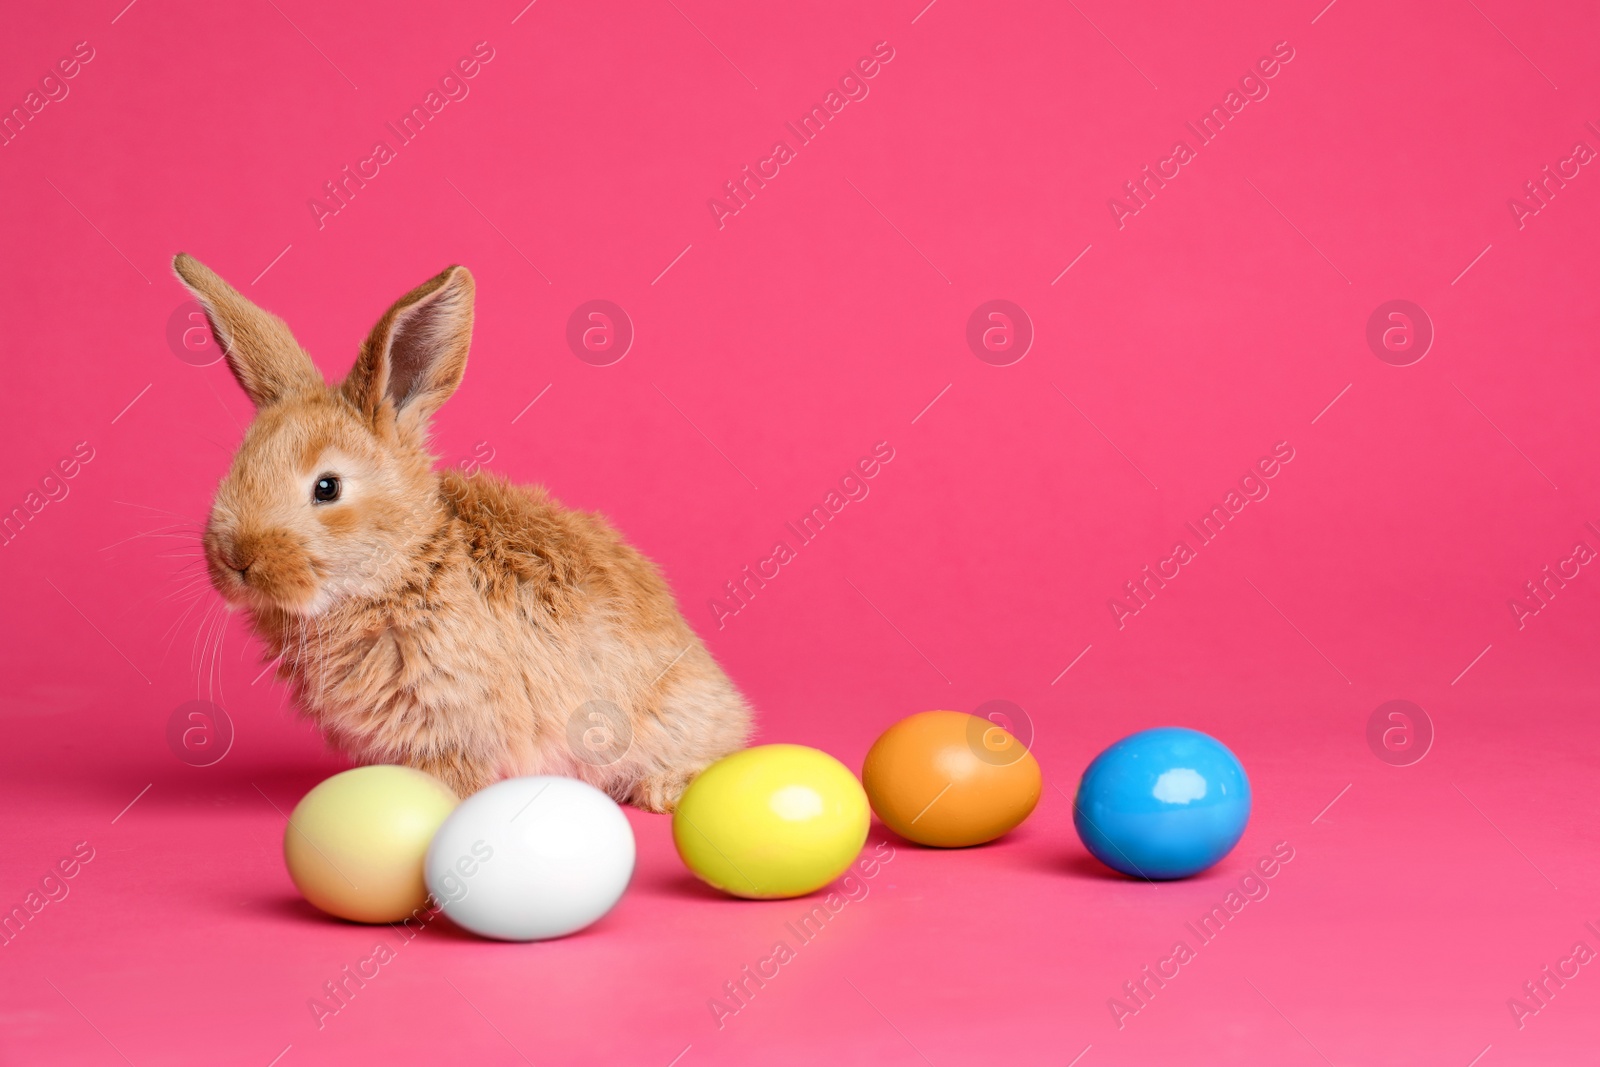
(465, 626)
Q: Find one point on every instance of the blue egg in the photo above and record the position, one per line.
(1163, 803)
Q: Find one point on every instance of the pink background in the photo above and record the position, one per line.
(1221, 319)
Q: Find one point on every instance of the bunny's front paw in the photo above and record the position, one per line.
(462, 775)
(660, 792)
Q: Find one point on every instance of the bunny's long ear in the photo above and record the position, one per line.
(415, 356)
(260, 350)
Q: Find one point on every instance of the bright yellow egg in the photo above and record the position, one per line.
(772, 821)
(355, 844)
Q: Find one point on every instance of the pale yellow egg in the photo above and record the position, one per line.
(355, 844)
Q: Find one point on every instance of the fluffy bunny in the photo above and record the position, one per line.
(464, 626)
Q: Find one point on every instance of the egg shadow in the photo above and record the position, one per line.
(683, 885)
(290, 907)
(293, 908)
(883, 835)
(296, 909)
(1083, 865)
(441, 928)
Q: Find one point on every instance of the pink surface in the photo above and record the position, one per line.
(1229, 313)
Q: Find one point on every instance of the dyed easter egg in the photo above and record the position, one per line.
(354, 845)
(950, 779)
(1162, 803)
(771, 821)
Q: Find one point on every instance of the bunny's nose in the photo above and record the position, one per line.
(238, 560)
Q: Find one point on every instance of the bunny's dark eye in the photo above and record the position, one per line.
(326, 490)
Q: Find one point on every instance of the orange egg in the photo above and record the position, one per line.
(949, 779)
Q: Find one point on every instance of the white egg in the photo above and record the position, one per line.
(531, 858)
